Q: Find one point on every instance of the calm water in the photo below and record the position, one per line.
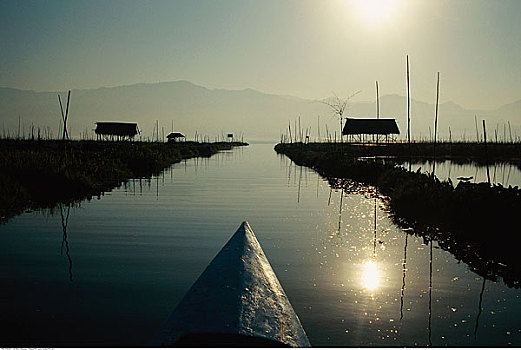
(501, 173)
(129, 257)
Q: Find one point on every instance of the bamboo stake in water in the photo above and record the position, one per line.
(486, 151)
(318, 130)
(510, 132)
(377, 102)
(408, 106)
(436, 123)
(476, 122)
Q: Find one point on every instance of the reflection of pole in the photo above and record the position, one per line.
(404, 268)
(318, 182)
(479, 308)
(299, 182)
(430, 293)
(329, 199)
(340, 211)
(508, 177)
(65, 222)
(374, 239)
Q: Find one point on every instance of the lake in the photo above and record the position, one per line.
(109, 272)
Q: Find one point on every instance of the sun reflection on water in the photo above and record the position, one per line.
(370, 275)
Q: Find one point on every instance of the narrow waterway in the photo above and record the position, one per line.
(109, 272)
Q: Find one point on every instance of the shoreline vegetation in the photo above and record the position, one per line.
(42, 174)
(476, 222)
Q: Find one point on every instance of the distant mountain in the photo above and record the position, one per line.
(214, 112)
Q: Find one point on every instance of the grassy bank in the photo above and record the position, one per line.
(39, 174)
(459, 152)
(476, 222)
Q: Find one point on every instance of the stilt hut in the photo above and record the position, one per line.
(116, 131)
(365, 129)
(175, 137)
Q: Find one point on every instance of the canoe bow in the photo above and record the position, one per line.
(237, 300)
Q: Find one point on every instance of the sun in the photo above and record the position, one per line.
(376, 11)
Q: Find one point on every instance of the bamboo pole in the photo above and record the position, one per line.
(476, 122)
(486, 151)
(318, 130)
(377, 102)
(408, 106)
(436, 116)
(65, 133)
(436, 123)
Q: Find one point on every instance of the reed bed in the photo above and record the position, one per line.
(39, 174)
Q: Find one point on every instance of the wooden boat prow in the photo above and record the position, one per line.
(236, 301)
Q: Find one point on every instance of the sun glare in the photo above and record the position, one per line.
(376, 11)
(370, 275)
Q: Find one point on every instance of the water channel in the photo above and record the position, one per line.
(110, 271)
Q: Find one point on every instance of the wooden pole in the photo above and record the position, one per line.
(299, 129)
(436, 123)
(408, 106)
(437, 101)
(377, 102)
(318, 130)
(486, 151)
(476, 122)
(65, 133)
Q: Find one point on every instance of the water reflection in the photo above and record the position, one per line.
(65, 210)
(374, 279)
(320, 266)
(370, 275)
(480, 308)
(506, 174)
(430, 292)
(404, 269)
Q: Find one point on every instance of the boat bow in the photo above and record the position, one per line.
(239, 295)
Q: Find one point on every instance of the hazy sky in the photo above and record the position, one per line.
(302, 48)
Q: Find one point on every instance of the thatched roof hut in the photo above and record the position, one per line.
(359, 126)
(117, 129)
(174, 136)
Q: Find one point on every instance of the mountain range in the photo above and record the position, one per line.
(255, 115)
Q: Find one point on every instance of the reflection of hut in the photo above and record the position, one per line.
(175, 137)
(116, 130)
(358, 128)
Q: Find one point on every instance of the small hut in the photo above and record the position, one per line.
(358, 128)
(175, 137)
(116, 131)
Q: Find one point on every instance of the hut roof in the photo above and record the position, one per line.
(356, 126)
(174, 135)
(116, 128)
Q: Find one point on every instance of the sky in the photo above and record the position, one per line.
(306, 48)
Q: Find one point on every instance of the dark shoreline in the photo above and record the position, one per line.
(42, 174)
(475, 222)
